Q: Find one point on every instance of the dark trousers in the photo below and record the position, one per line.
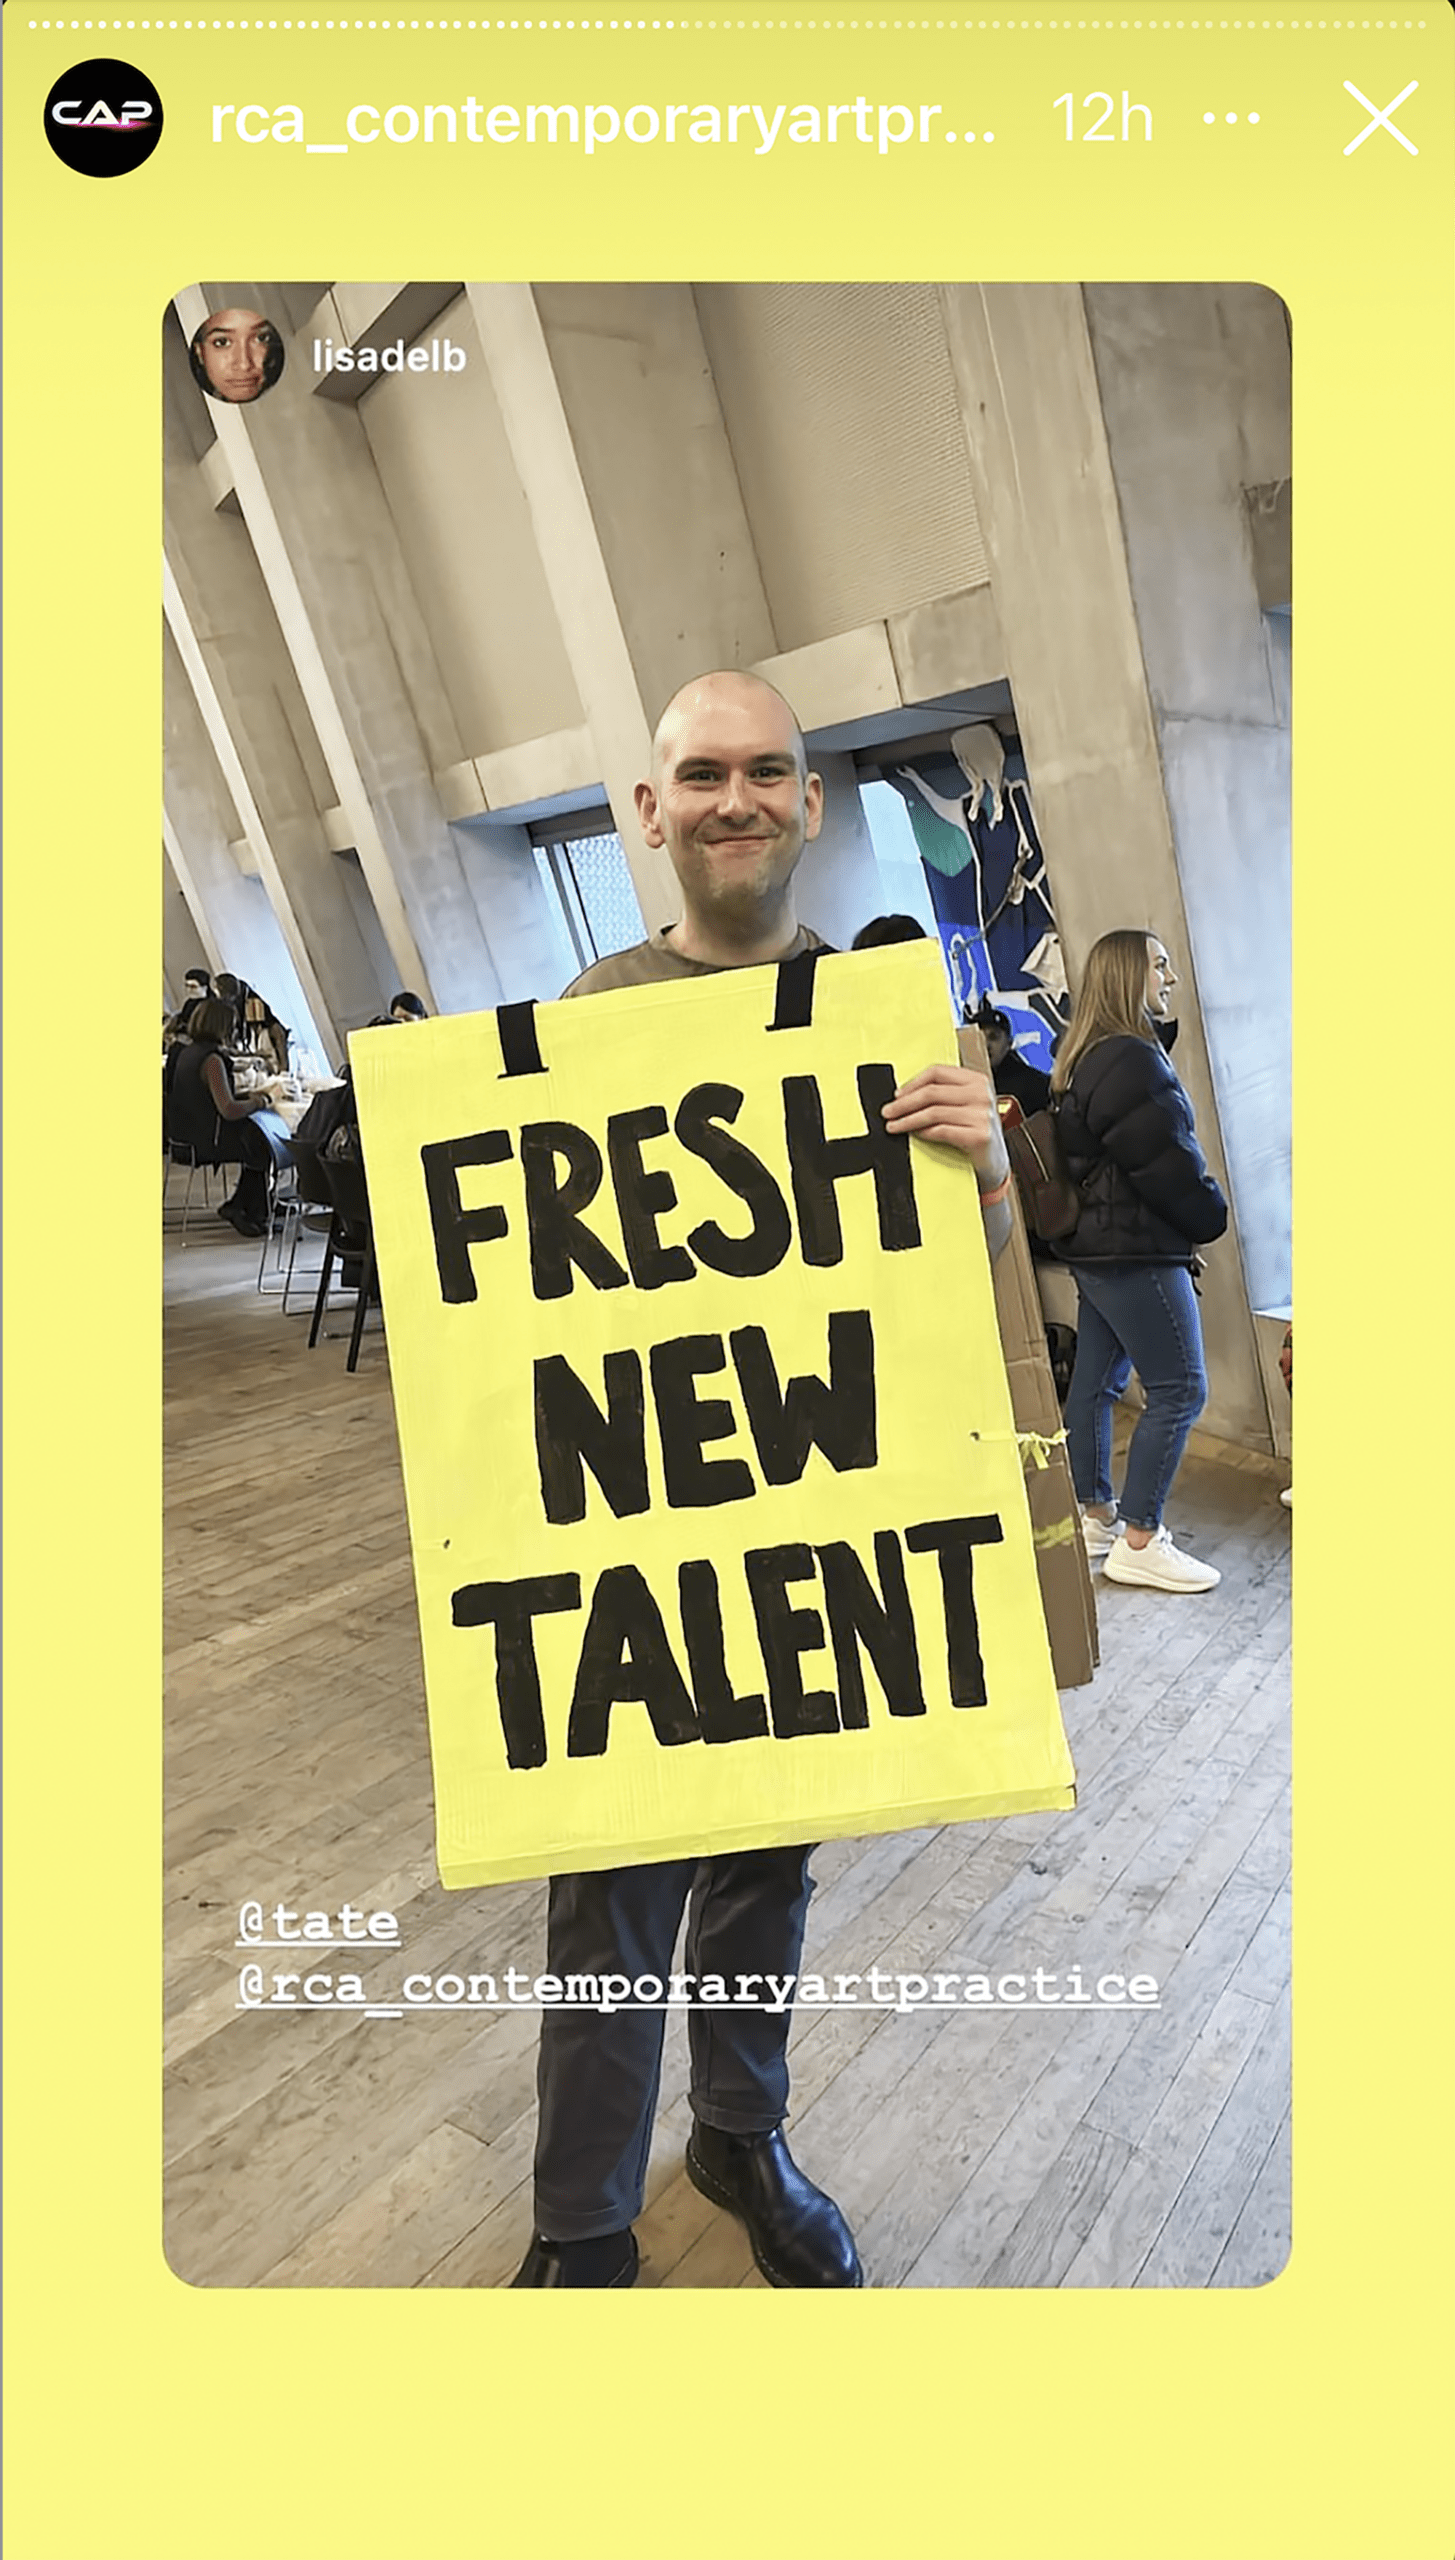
(249, 1150)
(250, 1193)
(598, 2076)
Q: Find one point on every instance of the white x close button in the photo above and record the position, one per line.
(1380, 116)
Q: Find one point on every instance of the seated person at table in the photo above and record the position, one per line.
(335, 1107)
(209, 1116)
(196, 987)
(262, 1032)
(229, 991)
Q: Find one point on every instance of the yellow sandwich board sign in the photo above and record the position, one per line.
(719, 1528)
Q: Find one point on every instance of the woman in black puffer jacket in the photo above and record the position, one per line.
(1147, 1203)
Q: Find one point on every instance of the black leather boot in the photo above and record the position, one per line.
(798, 2235)
(610, 2263)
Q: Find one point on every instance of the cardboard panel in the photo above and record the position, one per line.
(1065, 1577)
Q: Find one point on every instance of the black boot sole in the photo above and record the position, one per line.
(614, 2284)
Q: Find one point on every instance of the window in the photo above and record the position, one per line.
(897, 857)
(587, 878)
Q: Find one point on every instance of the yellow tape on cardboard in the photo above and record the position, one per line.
(719, 1528)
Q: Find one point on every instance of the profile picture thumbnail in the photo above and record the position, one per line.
(236, 356)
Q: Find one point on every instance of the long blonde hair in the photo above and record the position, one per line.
(1112, 1002)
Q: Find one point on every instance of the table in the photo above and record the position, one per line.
(287, 1109)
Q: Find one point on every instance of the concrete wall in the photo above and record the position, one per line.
(838, 881)
(1195, 390)
(182, 944)
(1051, 509)
(206, 856)
(530, 947)
(840, 406)
(445, 469)
(642, 407)
(370, 931)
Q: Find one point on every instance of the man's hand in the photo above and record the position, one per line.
(954, 1106)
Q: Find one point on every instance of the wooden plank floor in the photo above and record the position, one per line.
(993, 2148)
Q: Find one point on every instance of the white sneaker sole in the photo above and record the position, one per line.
(1207, 1580)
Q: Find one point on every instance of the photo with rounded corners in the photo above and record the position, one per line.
(1018, 560)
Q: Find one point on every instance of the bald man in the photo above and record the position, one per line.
(732, 801)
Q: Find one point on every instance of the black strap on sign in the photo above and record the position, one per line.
(519, 1046)
(793, 1005)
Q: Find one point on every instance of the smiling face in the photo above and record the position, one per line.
(1161, 979)
(730, 798)
(233, 349)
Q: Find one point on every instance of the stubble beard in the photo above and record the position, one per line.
(744, 896)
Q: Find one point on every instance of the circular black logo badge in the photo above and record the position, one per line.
(103, 119)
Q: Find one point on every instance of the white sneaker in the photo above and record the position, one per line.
(1099, 1536)
(1286, 1497)
(1159, 1566)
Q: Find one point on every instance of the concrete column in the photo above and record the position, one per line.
(200, 835)
(188, 940)
(255, 695)
(529, 945)
(334, 569)
(186, 943)
(1048, 506)
(251, 700)
(531, 408)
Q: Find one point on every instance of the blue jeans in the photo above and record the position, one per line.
(1142, 1316)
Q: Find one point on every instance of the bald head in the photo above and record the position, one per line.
(724, 691)
(733, 804)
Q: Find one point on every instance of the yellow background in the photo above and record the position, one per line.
(462, 1378)
(1309, 2418)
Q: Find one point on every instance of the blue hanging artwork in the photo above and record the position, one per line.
(973, 823)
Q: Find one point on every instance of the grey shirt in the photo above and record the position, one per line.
(646, 964)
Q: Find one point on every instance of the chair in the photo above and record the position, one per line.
(290, 1214)
(284, 1206)
(179, 1151)
(182, 1149)
(350, 1231)
(311, 1212)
